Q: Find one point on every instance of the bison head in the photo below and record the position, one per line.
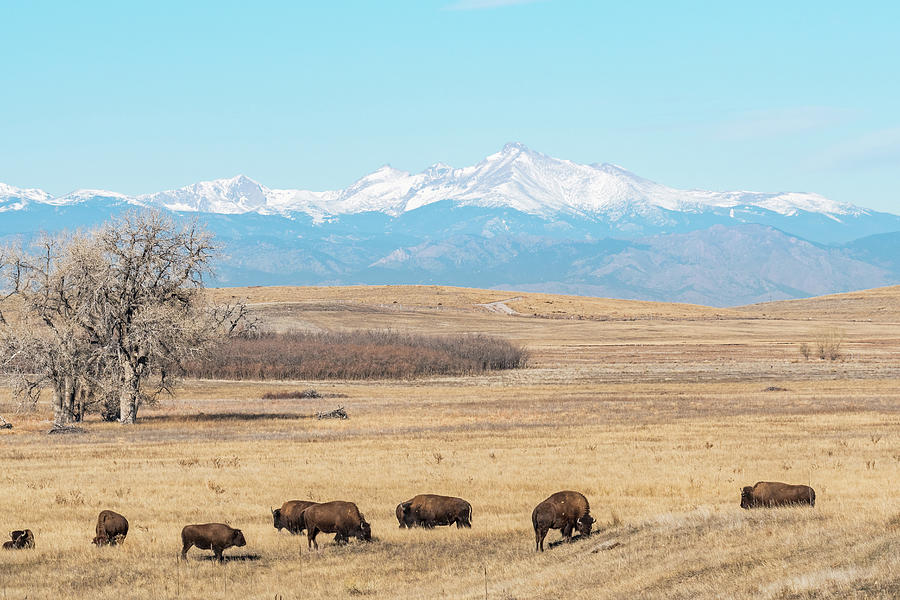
(585, 524)
(276, 518)
(403, 510)
(746, 497)
(20, 539)
(365, 530)
(26, 540)
(238, 538)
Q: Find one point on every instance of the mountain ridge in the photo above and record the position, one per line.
(515, 177)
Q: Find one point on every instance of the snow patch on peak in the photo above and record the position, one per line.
(8, 192)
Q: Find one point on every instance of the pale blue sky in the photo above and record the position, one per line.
(139, 97)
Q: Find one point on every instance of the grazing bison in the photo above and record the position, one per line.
(111, 528)
(429, 510)
(211, 536)
(565, 511)
(341, 518)
(773, 493)
(288, 516)
(19, 540)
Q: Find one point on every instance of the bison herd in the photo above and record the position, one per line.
(567, 511)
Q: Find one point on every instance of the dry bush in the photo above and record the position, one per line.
(292, 395)
(828, 344)
(357, 355)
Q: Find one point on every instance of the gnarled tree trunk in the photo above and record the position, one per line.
(61, 396)
(128, 397)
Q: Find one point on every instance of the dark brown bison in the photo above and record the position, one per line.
(429, 510)
(340, 518)
(565, 511)
(111, 528)
(19, 540)
(211, 536)
(288, 516)
(773, 493)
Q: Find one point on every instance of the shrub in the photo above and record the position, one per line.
(828, 344)
(292, 395)
(357, 355)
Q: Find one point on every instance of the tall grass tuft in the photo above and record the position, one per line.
(364, 354)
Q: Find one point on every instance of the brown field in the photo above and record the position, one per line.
(658, 413)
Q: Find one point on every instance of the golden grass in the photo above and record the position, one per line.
(659, 422)
(878, 304)
(398, 297)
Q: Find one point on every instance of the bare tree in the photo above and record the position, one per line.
(120, 309)
(44, 346)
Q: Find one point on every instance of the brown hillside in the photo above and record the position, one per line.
(877, 305)
(433, 297)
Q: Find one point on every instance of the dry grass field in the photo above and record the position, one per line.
(657, 413)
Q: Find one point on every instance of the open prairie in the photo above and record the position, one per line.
(658, 413)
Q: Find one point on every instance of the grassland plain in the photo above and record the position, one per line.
(658, 415)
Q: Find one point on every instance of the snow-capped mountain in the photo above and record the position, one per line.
(516, 178)
(517, 220)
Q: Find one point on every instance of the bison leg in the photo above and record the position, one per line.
(539, 535)
(567, 531)
(218, 553)
(311, 538)
(184, 549)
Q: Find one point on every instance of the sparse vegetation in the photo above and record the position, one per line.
(829, 343)
(659, 423)
(292, 394)
(356, 355)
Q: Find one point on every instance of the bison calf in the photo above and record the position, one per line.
(288, 516)
(211, 536)
(19, 540)
(111, 528)
(774, 493)
(340, 518)
(565, 511)
(430, 510)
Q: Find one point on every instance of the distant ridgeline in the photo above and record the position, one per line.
(518, 220)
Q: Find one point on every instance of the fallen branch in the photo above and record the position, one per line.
(338, 413)
(57, 428)
(4, 424)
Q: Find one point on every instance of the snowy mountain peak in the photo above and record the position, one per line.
(10, 193)
(514, 148)
(516, 177)
(236, 195)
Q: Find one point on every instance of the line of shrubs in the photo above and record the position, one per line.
(363, 354)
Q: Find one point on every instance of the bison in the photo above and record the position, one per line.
(19, 540)
(111, 528)
(288, 516)
(565, 511)
(429, 510)
(214, 536)
(773, 493)
(338, 517)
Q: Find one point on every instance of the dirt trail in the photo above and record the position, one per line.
(500, 306)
